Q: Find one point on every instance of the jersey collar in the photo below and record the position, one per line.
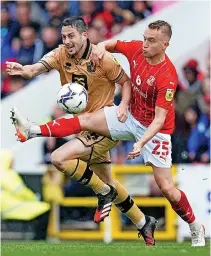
(87, 51)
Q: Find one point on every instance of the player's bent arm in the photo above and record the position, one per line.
(108, 45)
(100, 49)
(155, 126)
(126, 89)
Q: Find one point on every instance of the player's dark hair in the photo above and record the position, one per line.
(75, 22)
(162, 25)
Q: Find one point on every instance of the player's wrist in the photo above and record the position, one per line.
(140, 143)
(124, 103)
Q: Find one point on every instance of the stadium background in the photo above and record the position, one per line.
(31, 29)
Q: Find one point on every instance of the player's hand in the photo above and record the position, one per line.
(97, 54)
(136, 151)
(14, 68)
(122, 112)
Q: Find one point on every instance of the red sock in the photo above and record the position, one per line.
(183, 208)
(61, 127)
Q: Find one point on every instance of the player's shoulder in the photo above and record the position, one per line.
(130, 43)
(55, 52)
(168, 72)
(61, 49)
(108, 60)
(171, 66)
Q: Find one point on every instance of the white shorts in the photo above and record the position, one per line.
(155, 152)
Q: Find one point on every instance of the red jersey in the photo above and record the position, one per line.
(153, 85)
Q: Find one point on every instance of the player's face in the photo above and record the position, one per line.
(73, 39)
(154, 43)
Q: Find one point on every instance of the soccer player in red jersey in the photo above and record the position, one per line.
(150, 117)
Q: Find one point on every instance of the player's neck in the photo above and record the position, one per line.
(156, 59)
(81, 52)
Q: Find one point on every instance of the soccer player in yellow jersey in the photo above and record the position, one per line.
(86, 158)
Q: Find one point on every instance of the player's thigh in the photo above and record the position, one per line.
(103, 171)
(95, 122)
(117, 129)
(100, 146)
(71, 150)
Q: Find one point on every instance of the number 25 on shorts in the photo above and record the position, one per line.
(161, 148)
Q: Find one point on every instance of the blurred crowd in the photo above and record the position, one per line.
(30, 29)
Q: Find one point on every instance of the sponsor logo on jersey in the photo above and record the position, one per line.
(169, 94)
(136, 89)
(150, 80)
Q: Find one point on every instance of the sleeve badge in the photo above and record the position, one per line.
(169, 94)
(114, 60)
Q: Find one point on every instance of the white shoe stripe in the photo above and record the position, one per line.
(106, 205)
(104, 214)
(106, 209)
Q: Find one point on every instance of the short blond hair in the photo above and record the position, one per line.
(162, 25)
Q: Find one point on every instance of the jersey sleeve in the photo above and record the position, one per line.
(128, 48)
(51, 59)
(166, 90)
(112, 68)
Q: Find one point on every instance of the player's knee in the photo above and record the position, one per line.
(166, 188)
(85, 119)
(57, 160)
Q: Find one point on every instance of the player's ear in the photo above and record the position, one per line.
(165, 45)
(85, 34)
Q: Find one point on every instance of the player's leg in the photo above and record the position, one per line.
(179, 203)
(118, 130)
(61, 127)
(123, 200)
(104, 122)
(157, 153)
(67, 160)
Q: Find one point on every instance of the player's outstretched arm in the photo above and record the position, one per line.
(153, 129)
(28, 71)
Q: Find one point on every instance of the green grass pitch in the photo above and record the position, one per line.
(100, 249)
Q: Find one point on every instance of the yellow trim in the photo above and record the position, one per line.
(129, 169)
(116, 226)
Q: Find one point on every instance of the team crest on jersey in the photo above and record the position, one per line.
(169, 94)
(67, 65)
(150, 80)
(90, 67)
